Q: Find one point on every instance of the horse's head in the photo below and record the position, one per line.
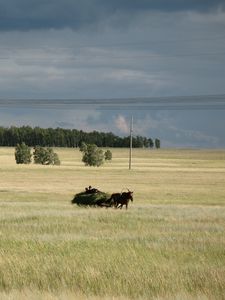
(130, 195)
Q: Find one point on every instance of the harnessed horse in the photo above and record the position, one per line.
(119, 199)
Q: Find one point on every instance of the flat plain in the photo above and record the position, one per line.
(169, 244)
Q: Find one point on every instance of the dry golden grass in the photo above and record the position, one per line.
(168, 245)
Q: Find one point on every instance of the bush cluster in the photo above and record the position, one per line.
(41, 155)
(93, 156)
(45, 156)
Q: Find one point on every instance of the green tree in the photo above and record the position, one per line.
(151, 143)
(45, 156)
(108, 155)
(157, 143)
(22, 154)
(83, 147)
(2, 130)
(93, 156)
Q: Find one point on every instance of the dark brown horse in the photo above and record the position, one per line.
(118, 200)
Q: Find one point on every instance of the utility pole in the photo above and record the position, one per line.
(131, 137)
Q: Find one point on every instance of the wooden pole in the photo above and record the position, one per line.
(131, 137)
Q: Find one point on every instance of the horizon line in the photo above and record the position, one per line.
(194, 102)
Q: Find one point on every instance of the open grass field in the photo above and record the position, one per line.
(169, 244)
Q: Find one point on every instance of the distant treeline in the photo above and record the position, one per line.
(59, 137)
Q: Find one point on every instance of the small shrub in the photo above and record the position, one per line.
(108, 155)
(157, 143)
(22, 154)
(92, 155)
(83, 147)
(45, 156)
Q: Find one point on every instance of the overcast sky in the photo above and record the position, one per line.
(72, 49)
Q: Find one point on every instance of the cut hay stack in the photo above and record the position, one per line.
(94, 199)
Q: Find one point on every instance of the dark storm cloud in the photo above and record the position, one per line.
(42, 14)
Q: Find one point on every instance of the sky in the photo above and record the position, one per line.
(97, 49)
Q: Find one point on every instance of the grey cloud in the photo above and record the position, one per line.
(42, 64)
(32, 14)
(135, 49)
(175, 133)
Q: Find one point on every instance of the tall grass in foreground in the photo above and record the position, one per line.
(143, 253)
(166, 246)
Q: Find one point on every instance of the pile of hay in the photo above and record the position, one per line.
(95, 199)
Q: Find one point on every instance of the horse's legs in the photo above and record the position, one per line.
(127, 204)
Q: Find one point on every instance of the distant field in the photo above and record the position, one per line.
(169, 244)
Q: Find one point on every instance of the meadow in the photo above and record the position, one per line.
(169, 244)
